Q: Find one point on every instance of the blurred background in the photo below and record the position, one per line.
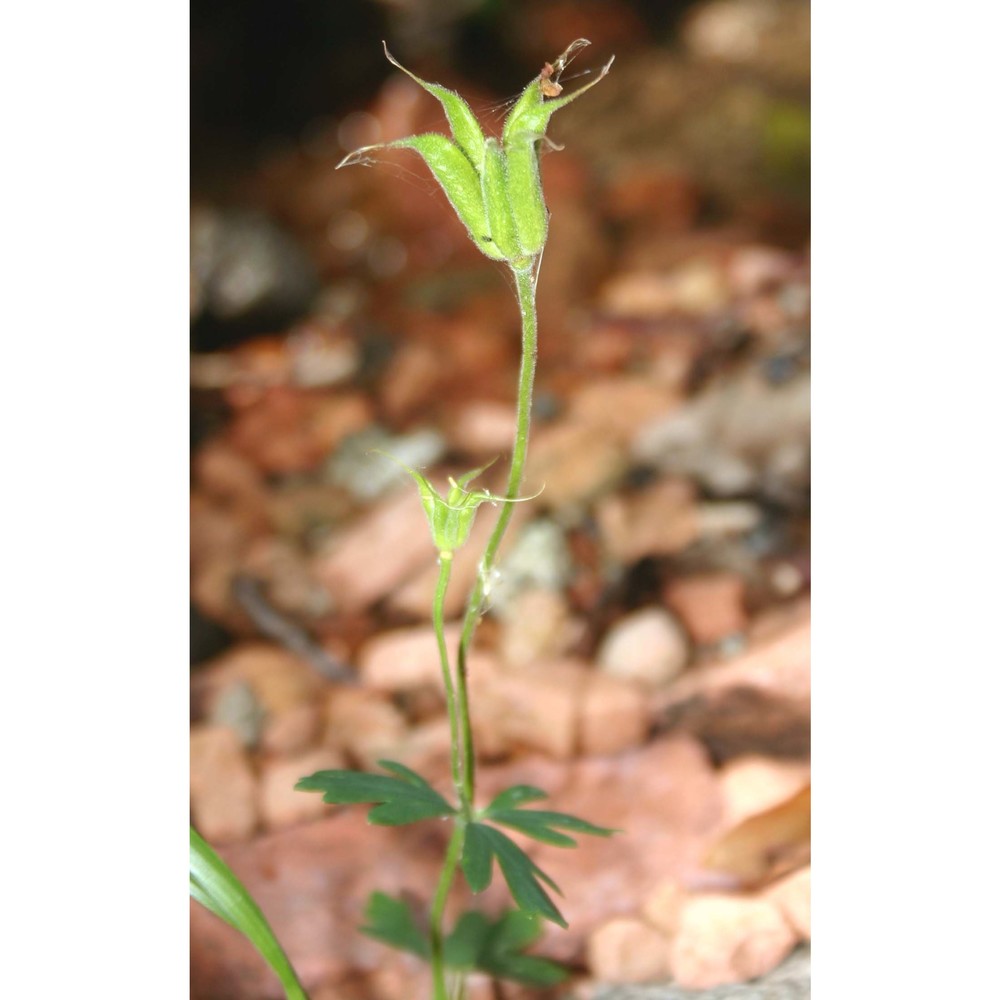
(653, 608)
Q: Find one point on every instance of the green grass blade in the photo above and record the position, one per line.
(214, 885)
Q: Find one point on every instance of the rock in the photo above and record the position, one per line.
(248, 274)
(615, 715)
(756, 268)
(742, 435)
(284, 430)
(223, 789)
(662, 907)
(527, 709)
(292, 731)
(710, 605)
(621, 404)
(723, 519)
(405, 659)
(727, 939)
(574, 462)
(755, 703)
(660, 520)
(376, 554)
(366, 475)
(363, 724)
(754, 783)
(482, 428)
(696, 287)
(647, 646)
(790, 981)
(237, 708)
(537, 558)
(664, 799)
(229, 479)
(626, 950)
(793, 897)
(280, 804)
(536, 625)
(278, 679)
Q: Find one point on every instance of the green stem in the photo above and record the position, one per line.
(444, 575)
(437, 910)
(525, 280)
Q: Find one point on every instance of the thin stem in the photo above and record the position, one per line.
(437, 910)
(525, 281)
(444, 575)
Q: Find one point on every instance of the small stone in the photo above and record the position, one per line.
(482, 428)
(646, 646)
(280, 804)
(405, 659)
(615, 715)
(728, 939)
(754, 269)
(292, 731)
(278, 679)
(238, 708)
(366, 475)
(754, 783)
(363, 724)
(662, 908)
(538, 559)
(710, 605)
(627, 950)
(726, 518)
(793, 897)
(376, 554)
(536, 626)
(534, 709)
(623, 403)
(223, 789)
(661, 520)
(574, 462)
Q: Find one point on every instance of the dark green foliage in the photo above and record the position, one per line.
(543, 825)
(495, 947)
(391, 920)
(402, 799)
(521, 873)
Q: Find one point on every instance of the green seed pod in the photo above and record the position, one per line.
(458, 180)
(464, 128)
(494, 188)
(451, 517)
(524, 192)
(498, 207)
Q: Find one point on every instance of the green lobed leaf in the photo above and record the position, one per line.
(460, 183)
(499, 215)
(464, 945)
(464, 126)
(213, 884)
(477, 857)
(496, 947)
(544, 825)
(399, 800)
(522, 876)
(511, 798)
(391, 921)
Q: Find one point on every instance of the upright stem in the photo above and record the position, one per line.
(525, 281)
(437, 909)
(444, 574)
